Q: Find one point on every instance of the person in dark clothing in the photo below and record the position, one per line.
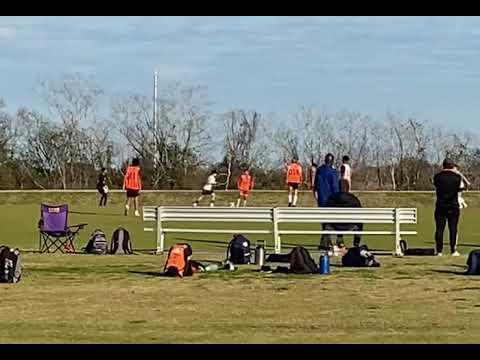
(341, 199)
(326, 181)
(102, 187)
(447, 185)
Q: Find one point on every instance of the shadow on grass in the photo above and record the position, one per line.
(148, 273)
(450, 272)
(459, 244)
(94, 213)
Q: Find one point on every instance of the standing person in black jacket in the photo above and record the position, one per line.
(447, 185)
(102, 187)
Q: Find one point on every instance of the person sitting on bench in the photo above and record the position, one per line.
(347, 200)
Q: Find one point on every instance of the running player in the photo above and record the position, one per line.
(245, 185)
(345, 174)
(132, 184)
(294, 179)
(102, 187)
(208, 189)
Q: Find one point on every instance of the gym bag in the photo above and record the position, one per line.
(121, 242)
(473, 263)
(97, 243)
(178, 261)
(238, 251)
(415, 251)
(10, 265)
(301, 262)
(359, 256)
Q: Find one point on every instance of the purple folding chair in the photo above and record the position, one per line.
(55, 233)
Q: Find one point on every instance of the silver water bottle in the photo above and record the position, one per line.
(259, 255)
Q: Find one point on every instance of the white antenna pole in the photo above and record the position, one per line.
(155, 118)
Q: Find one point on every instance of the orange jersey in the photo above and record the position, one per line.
(132, 179)
(294, 174)
(245, 182)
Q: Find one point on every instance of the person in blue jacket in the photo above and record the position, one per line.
(326, 181)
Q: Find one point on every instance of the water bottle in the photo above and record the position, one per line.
(324, 264)
(211, 267)
(259, 255)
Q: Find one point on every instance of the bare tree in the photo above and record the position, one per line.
(240, 129)
(73, 100)
(182, 135)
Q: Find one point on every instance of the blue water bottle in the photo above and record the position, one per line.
(324, 264)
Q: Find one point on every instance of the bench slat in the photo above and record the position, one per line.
(334, 232)
(247, 220)
(225, 231)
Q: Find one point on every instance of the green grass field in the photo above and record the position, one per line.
(84, 299)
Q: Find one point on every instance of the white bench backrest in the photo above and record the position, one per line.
(347, 215)
(223, 214)
(227, 214)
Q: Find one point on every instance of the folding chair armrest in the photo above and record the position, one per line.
(77, 226)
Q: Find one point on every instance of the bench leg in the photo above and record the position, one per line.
(278, 245)
(398, 249)
(160, 243)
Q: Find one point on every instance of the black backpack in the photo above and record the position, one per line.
(473, 263)
(301, 262)
(121, 242)
(238, 251)
(415, 251)
(97, 243)
(10, 265)
(359, 256)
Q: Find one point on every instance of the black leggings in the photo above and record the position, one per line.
(441, 218)
(104, 196)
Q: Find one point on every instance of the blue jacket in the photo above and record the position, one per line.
(326, 184)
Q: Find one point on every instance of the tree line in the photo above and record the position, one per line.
(84, 129)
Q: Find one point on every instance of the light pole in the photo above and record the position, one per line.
(155, 120)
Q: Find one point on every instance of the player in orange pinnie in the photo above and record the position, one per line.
(294, 179)
(245, 185)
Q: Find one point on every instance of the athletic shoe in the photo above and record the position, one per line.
(195, 204)
(137, 213)
(439, 254)
(212, 205)
(456, 253)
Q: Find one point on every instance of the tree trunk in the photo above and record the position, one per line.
(392, 177)
(229, 173)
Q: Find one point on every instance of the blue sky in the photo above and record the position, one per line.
(425, 66)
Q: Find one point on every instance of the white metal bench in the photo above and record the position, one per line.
(387, 216)
(394, 217)
(163, 214)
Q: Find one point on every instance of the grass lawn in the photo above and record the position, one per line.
(84, 299)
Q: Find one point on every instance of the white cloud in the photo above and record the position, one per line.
(7, 33)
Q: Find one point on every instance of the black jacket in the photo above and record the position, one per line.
(447, 185)
(102, 181)
(346, 200)
(343, 199)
